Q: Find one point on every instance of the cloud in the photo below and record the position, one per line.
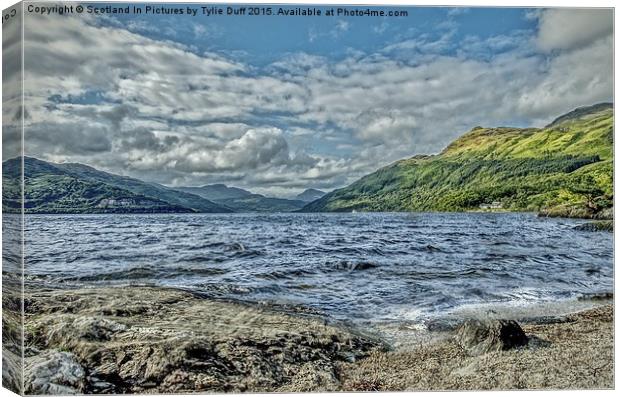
(141, 26)
(253, 150)
(202, 32)
(394, 125)
(11, 48)
(68, 138)
(145, 139)
(582, 76)
(82, 57)
(341, 26)
(456, 11)
(11, 88)
(566, 28)
(382, 27)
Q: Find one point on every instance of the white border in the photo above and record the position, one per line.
(474, 3)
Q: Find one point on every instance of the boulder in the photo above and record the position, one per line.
(598, 226)
(54, 372)
(96, 328)
(480, 337)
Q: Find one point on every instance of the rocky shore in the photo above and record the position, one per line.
(578, 212)
(157, 340)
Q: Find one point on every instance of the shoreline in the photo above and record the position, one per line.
(163, 340)
(540, 213)
(574, 351)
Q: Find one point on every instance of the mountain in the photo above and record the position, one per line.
(242, 200)
(259, 203)
(309, 195)
(565, 168)
(217, 192)
(581, 112)
(78, 188)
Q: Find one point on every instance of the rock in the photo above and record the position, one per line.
(11, 371)
(607, 213)
(364, 266)
(597, 296)
(577, 211)
(599, 226)
(479, 337)
(66, 332)
(53, 372)
(97, 386)
(93, 328)
(313, 377)
(353, 266)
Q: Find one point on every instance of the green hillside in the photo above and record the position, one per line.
(172, 196)
(76, 188)
(565, 168)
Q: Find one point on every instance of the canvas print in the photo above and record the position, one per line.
(306, 198)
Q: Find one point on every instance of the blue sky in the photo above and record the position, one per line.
(265, 39)
(278, 104)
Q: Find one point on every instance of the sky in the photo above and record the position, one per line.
(278, 104)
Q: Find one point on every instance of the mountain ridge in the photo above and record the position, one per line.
(578, 112)
(242, 200)
(309, 195)
(218, 191)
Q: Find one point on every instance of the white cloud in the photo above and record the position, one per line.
(382, 27)
(456, 11)
(395, 125)
(341, 26)
(567, 28)
(579, 77)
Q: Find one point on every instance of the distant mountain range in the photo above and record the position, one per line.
(309, 195)
(78, 188)
(563, 169)
(242, 200)
(216, 192)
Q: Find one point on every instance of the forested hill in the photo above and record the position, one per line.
(565, 168)
(78, 188)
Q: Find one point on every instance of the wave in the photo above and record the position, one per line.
(147, 273)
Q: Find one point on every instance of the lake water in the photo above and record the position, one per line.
(365, 267)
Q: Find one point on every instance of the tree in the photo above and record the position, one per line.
(593, 195)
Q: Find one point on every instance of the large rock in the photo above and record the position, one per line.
(53, 372)
(479, 337)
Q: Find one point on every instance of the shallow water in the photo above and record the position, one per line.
(365, 267)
